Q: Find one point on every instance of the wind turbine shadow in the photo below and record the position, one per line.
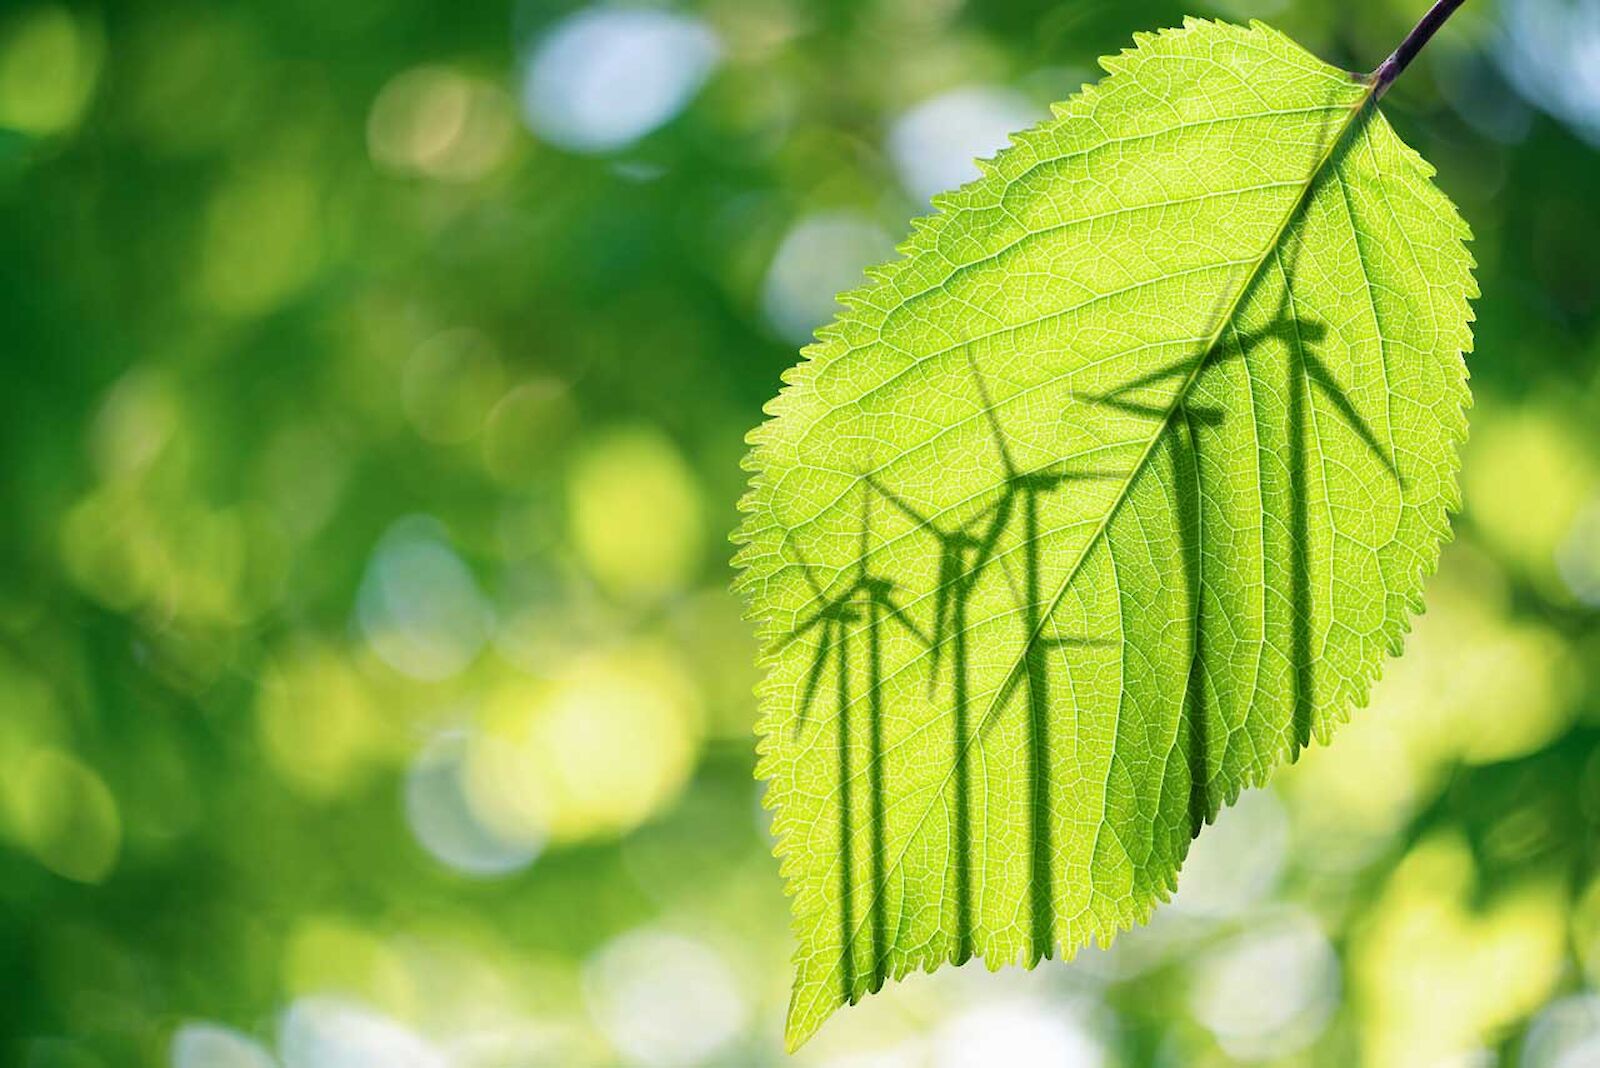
(854, 619)
(863, 607)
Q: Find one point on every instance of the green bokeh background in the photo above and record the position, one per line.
(369, 439)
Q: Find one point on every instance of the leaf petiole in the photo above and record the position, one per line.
(1419, 36)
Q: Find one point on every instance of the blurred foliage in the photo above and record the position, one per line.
(376, 383)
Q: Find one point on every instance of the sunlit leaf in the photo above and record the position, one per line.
(1106, 498)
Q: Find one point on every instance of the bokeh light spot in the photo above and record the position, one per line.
(527, 429)
(301, 476)
(263, 239)
(49, 63)
(1565, 1035)
(1237, 862)
(1268, 991)
(551, 617)
(1350, 798)
(205, 1045)
(450, 383)
(1550, 51)
(66, 816)
(593, 753)
(442, 819)
(1420, 960)
(328, 955)
(606, 76)
(1578, 557)
(1525, 477)
(822, 256)
(138, 418)
(327, 1032)
(319, 725)
(439, 123)
(663, 999)
(935, 144)
(1019, 1032)
(419, 607)
(637, 519)
(1468, 664)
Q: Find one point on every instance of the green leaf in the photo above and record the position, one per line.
(1095, 506)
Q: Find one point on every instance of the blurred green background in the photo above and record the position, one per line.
(374, 387)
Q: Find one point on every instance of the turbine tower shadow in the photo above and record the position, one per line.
(868, 599)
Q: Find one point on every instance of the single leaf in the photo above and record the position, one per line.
(1095, 506)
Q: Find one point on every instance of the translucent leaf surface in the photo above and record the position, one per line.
(1103, 500)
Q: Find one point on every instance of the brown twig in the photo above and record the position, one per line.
(1420, 35)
